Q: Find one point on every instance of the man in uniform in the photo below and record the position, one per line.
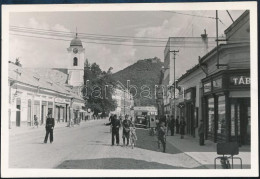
(115, 122)
(50, 123)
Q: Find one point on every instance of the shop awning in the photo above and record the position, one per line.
(239, 94)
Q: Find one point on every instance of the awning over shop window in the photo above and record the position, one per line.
(239, 94)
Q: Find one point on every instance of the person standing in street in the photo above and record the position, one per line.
(115, 122)
(168, 124)
(182, 127)
(36, 123)
(172, 125)
(177, 125)
(201, 132)
(126, 130)
(50, 123)
(162, 136)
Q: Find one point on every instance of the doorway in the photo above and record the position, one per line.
(18, 112)
(190, 119)
(240, 123)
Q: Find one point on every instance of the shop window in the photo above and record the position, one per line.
(217, 84)
(221, 115)
(207, 87)
(233, 118)
(211, 115)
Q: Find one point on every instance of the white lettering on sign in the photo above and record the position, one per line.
(241, 80)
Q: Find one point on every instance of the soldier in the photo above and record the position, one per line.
(115, 122)
(50, 123)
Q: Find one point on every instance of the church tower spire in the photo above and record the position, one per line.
(75, 62)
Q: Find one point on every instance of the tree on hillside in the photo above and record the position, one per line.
(98, 89)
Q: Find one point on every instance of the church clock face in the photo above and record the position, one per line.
(75, 50)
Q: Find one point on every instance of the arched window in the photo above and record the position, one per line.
(75, 61)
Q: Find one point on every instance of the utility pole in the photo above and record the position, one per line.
(174, 54)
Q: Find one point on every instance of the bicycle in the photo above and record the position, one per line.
(225, 162)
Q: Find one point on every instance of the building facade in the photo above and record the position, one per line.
(125, 102)
(187, 48)
(32, 94)
(217, 90)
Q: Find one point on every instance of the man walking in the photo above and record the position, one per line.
(172, 125)
(182, 127)
(201, 132)
(177, 125)
(115, 122)
(50, 123)
(162, 136)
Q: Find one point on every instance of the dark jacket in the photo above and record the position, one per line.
(161, 133)
(50, 123)
(182, 127)
(172, 123)
(126, 125)
(201, 128)
(115, 123)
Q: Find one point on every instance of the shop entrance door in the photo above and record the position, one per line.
(18, 112)
(240, 120)
(43, 117)
(190, 119)
(18, 116)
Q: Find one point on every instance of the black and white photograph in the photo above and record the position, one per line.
(116, 90)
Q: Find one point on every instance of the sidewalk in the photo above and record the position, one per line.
(207, 153)
(28, 129)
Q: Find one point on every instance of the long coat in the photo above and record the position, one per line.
(182, 127)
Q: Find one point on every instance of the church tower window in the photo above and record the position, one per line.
(75, 61)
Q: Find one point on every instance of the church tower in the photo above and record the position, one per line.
(75, 63)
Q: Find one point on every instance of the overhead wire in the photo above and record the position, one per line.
(91, 42)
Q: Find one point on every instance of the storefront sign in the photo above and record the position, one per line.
(207, 87)
(240, 80)
(59, 100)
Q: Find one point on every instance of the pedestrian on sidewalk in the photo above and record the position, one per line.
(182, 127)
(36, 123)
(177, 123)
(126, 130)
(162, 136)
(201, 132)
(168, 124)
(115, 122)
(50, 123)
(172, 125)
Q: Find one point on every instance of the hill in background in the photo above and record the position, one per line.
(143, 72)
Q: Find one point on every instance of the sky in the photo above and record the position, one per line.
(48, 53)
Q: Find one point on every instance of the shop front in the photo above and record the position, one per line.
(226, 106)
(189, 105)
(61, 109)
